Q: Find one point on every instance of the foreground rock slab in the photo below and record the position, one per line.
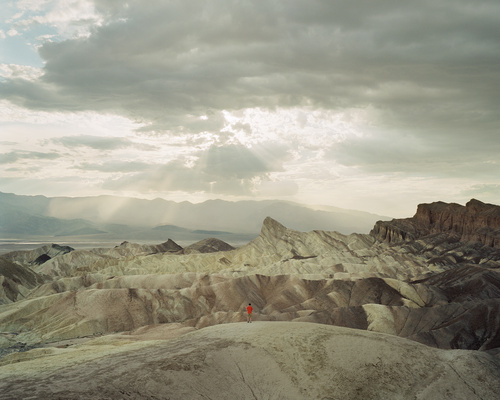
(261, 360)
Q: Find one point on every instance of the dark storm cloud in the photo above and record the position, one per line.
(428, 66)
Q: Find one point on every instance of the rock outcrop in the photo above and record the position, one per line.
(210, 245)
(476, 222)
(134, 249)
(423, 278)
(16, 281)
(429, 313)
(276, 251)
(323, 277)
(39, 255)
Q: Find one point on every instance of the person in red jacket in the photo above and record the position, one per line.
(249, 312)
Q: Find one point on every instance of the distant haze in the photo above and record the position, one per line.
(128, 218)
(367, 105)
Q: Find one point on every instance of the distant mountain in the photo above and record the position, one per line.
(20, 220)
(84, 214)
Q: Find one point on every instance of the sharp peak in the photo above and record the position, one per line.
(271, 224)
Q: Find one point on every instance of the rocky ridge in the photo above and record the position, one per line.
(475, 222)
(37, 256)
(422, 279)
(16, 281)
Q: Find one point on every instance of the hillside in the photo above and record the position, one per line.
(262, 360)
(431, 295)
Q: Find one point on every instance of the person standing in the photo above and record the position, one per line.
(249, 312)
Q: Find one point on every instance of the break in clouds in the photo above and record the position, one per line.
(238, 94)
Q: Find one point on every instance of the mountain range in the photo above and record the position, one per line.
(117, 218)
(408, 311)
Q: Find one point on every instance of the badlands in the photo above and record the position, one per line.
(409, 311)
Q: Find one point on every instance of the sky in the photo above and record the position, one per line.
(369, 105)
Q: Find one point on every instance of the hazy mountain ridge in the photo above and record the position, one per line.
(15, 220)
(243, 217)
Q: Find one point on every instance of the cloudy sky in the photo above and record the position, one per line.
(368, 105)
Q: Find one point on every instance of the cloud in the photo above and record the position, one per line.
(102, 143)
(231, 170)
(94, 142)
(173, 176)
(484, 192)
(324, 99)
(20, 71)
(15, 156)
(70, 18)
(427, 63)
(441, 156)
(232, 161)
(115, 166)
(12, 32)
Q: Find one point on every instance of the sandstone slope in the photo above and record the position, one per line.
(262, 360)
(434, 287)
(353, 281)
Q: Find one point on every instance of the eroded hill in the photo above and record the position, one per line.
(422, 279)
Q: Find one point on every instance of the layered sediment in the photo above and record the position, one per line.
(432, 279)
(474, 222)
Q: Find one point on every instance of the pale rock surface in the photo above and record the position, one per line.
(276, 251)
(106, 305)
(262, 360)
(435, 290)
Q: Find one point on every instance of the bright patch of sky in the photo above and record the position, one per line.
(27, 24)
(371, 106)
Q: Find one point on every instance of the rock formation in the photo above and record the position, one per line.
(210, 245)
(134, 249)
(427, 279)
(476, 222)
(262, 360)
(39, 255)
(16, 281)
